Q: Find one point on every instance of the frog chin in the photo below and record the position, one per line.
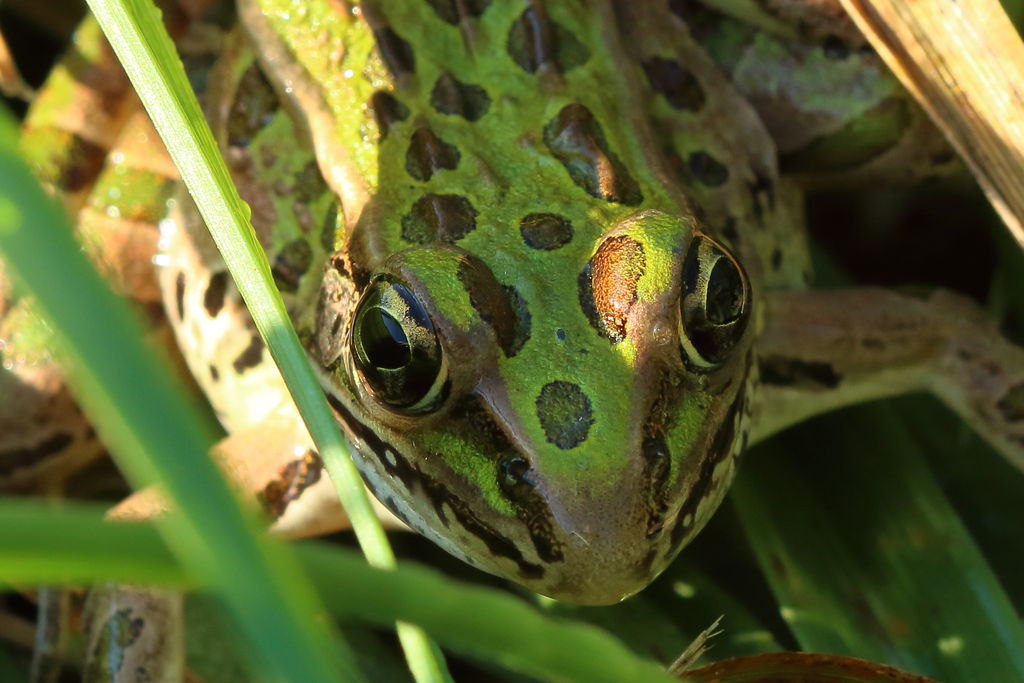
(582, 551)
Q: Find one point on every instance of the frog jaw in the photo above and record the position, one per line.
(585, 543)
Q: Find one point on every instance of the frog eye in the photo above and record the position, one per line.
(715, 303)
(396, 350)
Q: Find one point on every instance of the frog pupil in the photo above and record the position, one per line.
(725, 293)
(386, 344)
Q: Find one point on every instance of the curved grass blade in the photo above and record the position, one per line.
(158, 436)
(897, 580)
(148, 56)
(477, 621)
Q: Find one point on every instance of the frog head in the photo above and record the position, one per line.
(570, 432)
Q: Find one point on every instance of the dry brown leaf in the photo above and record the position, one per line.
(964, 62)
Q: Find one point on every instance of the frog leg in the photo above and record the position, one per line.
(53, 606)
(135, 633)
(823, 350)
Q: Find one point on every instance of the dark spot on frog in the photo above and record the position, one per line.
(439, 218)
(153, 312)
(762, 191)
(521, 315)
(387, 111)
(291, 482)
(309, 185)
(179, 294)
(329, 228)
(608, 285)
(835, 48)
(989, 367)
(428, 153)
(872, 344)
(657, 466)
(545, 231)
(560, 333)
(535, 41)
(392, 505)
(213, 297)
(396, 465)
(680, 88)
(565, 414)
(252, 109)
(16, 458)
(251, 356)
(86, 162)
(575, 138)
(1011, 405)
(454, 11)
(707, 170)
(214, 373)
(290, 264)
(776, 258)
(117, 633)
(500, 306)
(729, 230)
(793, 372)
(394, 50)
(452, 96)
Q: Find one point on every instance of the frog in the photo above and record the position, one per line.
(550, 276)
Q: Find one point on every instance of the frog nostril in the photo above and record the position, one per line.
(514, 478)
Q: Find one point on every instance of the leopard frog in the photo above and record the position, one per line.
(551, 278)
(532, 304)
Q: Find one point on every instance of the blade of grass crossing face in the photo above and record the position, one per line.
(154, 434)
(141, 43)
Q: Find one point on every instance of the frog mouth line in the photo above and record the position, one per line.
(411, 476)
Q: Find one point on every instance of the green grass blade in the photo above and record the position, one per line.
(898, 580)
(478, 621)
(159, 437)
(43, 545)
(148, 56)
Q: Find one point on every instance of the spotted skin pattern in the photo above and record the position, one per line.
(544, 254)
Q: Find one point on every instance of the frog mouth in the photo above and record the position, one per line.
(422, 485)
